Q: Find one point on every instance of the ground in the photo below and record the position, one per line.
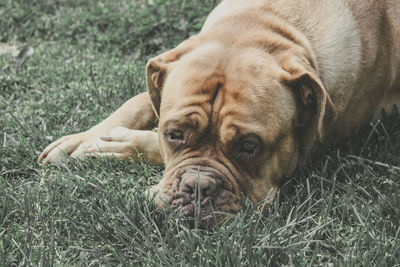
(341, 207)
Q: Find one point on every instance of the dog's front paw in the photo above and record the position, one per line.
(74, 145)
(119, 143)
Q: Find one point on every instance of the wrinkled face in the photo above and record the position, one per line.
(226, 130)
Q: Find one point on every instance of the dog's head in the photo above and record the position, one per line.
(233, 120)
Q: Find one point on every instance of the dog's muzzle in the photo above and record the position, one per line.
(197, 184)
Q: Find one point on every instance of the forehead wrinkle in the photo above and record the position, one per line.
(242, 118)
(196, 82)
(216, 106)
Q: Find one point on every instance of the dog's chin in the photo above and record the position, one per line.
(205, 215)
(209, 212)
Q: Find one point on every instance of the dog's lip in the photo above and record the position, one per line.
(182, 200)
(207, 206)
(183, 166)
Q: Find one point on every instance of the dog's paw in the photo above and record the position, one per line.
(119, 143)
(74, 145)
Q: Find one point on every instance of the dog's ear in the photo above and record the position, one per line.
(156, 71)
(316, 107)
(158, 67)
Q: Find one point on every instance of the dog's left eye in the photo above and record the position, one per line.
(248, 147)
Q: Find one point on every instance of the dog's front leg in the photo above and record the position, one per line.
(124, 143)
(136, 114)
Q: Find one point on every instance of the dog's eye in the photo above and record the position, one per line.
(248, 147)
(175, 135)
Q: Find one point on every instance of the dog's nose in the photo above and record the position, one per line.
(199, 184)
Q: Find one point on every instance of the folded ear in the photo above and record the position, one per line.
(156, 71)
(158, 67)
(318, 109)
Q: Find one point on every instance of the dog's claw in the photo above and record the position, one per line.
(106, 138)
(57, 152)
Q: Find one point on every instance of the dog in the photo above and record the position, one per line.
(240, 104)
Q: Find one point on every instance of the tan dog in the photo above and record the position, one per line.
(242, 102)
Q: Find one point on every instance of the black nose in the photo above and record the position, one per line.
(199, 184)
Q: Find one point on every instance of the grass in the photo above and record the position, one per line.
(340, 208)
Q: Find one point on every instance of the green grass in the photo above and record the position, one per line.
(342, 207)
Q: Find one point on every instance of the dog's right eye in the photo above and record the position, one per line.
(175, 136)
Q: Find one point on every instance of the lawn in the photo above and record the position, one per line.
(342, 207)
